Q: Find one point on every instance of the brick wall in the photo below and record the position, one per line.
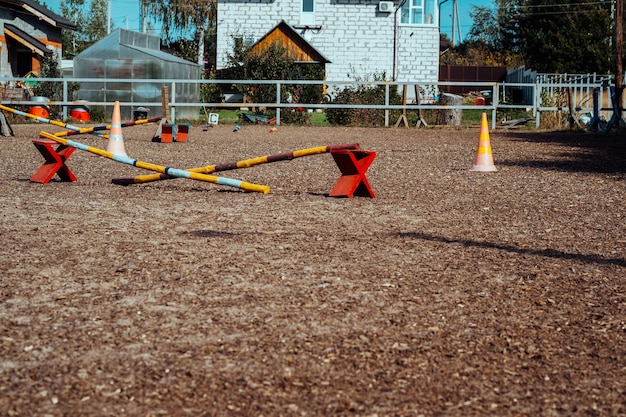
(354, 36)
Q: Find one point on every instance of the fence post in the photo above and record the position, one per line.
(172, 104)
(278, 102)
(386, 104)
(494, 102)
(537, 105)
(65, 99)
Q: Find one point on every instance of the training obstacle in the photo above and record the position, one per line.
(353, 164)
(55, 156)
(90, 130)
(246, 163)
(5, 126)
(175, 172)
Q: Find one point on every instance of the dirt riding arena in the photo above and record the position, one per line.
(452, 293)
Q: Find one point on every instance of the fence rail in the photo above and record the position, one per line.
(548, 94)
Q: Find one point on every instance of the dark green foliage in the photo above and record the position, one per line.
(563, 37)
(186, 49)
(313, 93)
(362, 94)
(50, 68)
(273, 63)
(210, 93)
(90, 19)
(98, 114)
(53, 90)
(548, 36)
(295, 117)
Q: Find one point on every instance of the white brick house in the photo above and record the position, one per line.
(360, 38)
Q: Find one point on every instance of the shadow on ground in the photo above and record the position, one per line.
(550, 253)
(589, 152)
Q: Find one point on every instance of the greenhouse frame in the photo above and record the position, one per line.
(131, 55)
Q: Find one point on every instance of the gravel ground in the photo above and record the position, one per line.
(452, 293)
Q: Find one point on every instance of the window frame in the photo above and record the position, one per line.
(426, 8)
(307, 17)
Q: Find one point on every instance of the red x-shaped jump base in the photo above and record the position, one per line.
(55, 161)
(353, 165)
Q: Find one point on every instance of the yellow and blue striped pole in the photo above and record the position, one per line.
(43, 119)
(84, 130)
(246, 163)
(174, 172)
(74, 130)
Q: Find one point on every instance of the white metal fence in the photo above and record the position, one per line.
(575, 97)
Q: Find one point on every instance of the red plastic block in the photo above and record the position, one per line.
(167, 133)
(353, 165)
(183, 133)
(55, 161)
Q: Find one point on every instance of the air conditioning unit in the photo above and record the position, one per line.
(385, 6)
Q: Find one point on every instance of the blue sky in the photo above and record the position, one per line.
(465, 8)
(126, 14)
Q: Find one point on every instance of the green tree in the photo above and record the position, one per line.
(483, 30)
(271, 63)
(196, 16)
(488, 41)
(274, 63)
(546, 35)
(571, 37)
(96, 27)
(72, 10)
(91, 24)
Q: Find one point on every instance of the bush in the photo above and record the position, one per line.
(274, 63)
(295, 117)
(362, 94)
(50, 68)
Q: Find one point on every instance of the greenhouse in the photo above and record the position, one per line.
(131, 55)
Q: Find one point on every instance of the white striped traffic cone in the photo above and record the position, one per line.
(116, 140)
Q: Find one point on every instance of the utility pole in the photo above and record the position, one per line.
(619, 50)
(456, 22)
(109, 18)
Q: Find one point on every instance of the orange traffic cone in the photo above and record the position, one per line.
(484, 158)
(116, 140)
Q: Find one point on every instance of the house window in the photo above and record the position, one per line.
(307, 14)
(419, 12)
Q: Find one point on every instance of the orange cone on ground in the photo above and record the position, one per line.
(484, 158)
(116, 140)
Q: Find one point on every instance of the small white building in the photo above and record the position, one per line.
(359, 38)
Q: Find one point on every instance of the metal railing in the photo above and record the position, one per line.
(546, 96)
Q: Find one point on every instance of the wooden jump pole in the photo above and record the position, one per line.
(42, 119)
(246, 163)
(174, 172)
(74, 130)
(84, 130)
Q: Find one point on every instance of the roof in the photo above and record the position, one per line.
(43, 13)
(297, 47)
(25, 39)
(164, 56)
(122, 43)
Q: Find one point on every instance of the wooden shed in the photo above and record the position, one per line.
(296, 46)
